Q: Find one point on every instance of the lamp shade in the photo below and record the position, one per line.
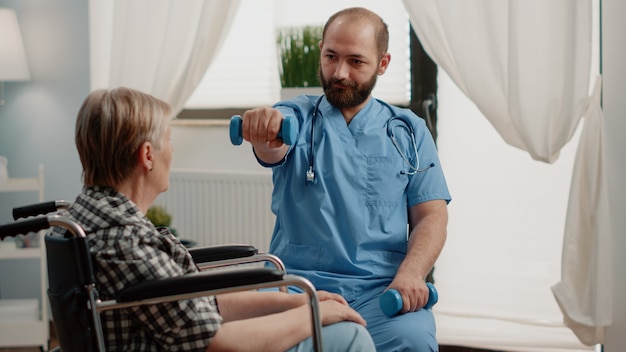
(13, 64)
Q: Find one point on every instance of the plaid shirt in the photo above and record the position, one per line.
(126, 248)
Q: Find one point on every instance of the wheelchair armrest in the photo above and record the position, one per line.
(198, 282)
(212, 257)
(222, 252)
(212, 283)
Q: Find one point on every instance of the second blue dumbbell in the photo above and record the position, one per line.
(391, 301)
(288, 130)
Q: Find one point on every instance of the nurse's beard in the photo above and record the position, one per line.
(346, 97)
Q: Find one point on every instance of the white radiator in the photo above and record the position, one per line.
(220, 207)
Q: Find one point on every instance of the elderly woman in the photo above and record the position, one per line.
(123, 140)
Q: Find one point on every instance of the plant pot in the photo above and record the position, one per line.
(188, 243)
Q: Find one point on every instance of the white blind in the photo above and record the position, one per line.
(245, 72)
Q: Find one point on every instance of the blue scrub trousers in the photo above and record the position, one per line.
(413, 331)
(340, 337)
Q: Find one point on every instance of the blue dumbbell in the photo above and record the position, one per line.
(288, 131)
(391, 300)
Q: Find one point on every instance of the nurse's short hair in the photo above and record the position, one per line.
(362, 14)
(111, 126)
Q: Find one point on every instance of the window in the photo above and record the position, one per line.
(245, 72)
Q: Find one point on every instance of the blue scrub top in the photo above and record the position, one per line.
(347, 231)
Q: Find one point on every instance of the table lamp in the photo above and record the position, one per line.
(13, 64)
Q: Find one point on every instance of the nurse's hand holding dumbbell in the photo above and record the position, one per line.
(391, 302)
(269, 132)
(263, 125)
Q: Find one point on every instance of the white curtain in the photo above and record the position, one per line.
(584, 293)
(526, 65)
(162, 47)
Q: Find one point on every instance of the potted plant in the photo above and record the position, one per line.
(159, 217)
(299, 60)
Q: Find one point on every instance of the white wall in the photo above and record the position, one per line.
(37, 121)
(207, 146)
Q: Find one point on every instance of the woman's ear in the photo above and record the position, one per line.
(146, 156)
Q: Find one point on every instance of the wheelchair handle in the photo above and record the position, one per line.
(39, 208)
(23, 227)
(40, 223)
(288, 131)
(391, 301)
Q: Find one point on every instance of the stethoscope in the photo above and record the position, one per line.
(392, 123)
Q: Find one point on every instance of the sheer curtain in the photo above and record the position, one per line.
(526, 67)
(162, 47)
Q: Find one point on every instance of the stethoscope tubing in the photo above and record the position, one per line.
(413, 169)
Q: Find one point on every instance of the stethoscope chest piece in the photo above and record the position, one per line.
(310, 175)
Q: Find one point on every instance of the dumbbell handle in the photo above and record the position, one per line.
(288, 130)
(391, 300)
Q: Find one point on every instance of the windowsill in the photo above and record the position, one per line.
(201, 122)
(210, 114)
(206, 117)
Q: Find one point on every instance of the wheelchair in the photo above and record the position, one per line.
(205, 257)
(74, 298)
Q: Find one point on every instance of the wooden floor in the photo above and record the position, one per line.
(53, 343)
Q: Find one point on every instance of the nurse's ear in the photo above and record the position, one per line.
(384, 63)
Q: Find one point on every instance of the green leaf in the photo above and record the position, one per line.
(300, 54)
(159, 216)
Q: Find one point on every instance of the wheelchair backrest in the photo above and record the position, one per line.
(70, 284)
